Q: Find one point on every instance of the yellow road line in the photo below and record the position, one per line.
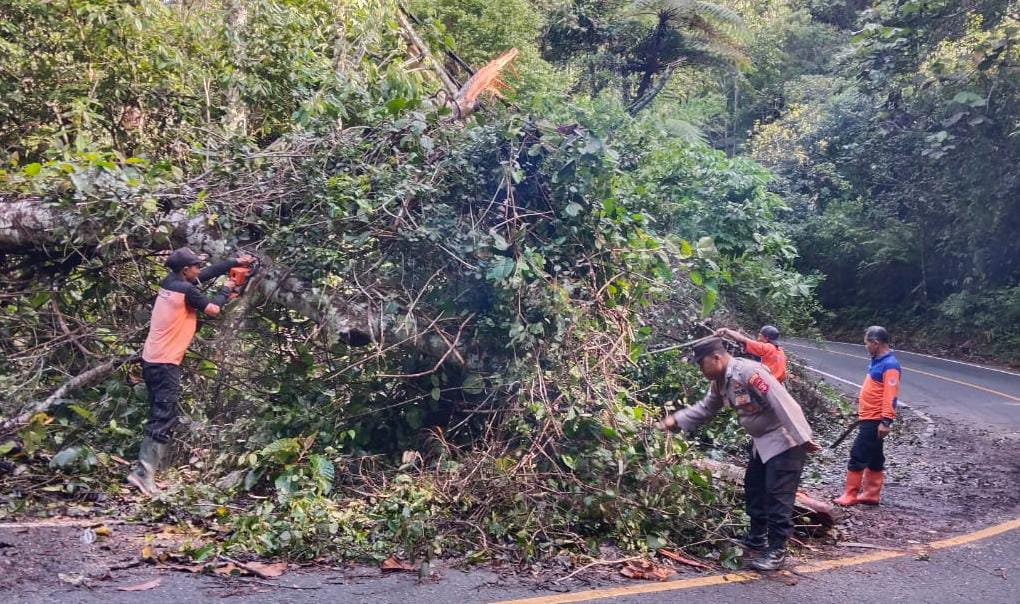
(934, 375)
(823, 565)
(644, 588)
(744, 577)
(991, 531)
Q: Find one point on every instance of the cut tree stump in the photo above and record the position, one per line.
(819, 511)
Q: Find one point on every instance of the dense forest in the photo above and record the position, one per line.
(478, 222)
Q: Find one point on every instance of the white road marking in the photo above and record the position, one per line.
(829, 375)
(927, 373)
(920, 354)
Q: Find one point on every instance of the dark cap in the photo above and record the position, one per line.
(706, 347)
(770, 332)
(183, 257)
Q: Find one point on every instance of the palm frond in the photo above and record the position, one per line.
(686, 131)
(682, 10)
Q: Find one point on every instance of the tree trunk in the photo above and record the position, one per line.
(654, 91)
(820, 511)
(409, 34)
(82, 380)
(30, 226)
(236, 20)
(653, 60)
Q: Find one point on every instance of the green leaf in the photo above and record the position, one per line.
(413, 417)
(66, 458)
(207, 368)
(286, 485)
(32, 169)
(251, 479)
(324, 471)
(969, 98)
(395, 105)
(706, 247)
(499, 242)
(84, 413)
(572, 209)
(203, 553)
(473, 384)
(655, 542)
(282, 451)
(501, 268)
(7, 447)
(708, 299)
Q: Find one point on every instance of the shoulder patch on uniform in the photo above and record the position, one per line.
(759, 383)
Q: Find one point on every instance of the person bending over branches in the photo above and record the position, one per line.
(765, 347)
(781, 441)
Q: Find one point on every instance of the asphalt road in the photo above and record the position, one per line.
(985, 571)
(981, 396)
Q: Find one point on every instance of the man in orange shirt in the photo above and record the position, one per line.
(765, 347)
(876, 411)
(173, 324)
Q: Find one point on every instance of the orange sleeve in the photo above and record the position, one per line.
(758, 349)
(890, 388)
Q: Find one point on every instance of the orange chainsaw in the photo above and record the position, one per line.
(242, 276)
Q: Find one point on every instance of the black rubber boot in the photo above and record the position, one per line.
(753, 540)
(150, 461)
(771, 559)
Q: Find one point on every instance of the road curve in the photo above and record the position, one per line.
(952, 389)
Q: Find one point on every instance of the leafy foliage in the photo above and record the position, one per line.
(544, 252)
(635, 47)
(902, 166)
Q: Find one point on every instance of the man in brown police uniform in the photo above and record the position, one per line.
(781, 441)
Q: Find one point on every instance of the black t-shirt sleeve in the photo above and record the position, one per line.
(215, 270)
(197, 300)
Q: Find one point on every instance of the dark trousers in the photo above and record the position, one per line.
(163, 381)
(867, 451)
(770, 489)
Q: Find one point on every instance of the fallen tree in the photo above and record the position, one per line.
(29, 223)
(32, 224)
(501, 274)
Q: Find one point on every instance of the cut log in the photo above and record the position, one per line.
(821, 512)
